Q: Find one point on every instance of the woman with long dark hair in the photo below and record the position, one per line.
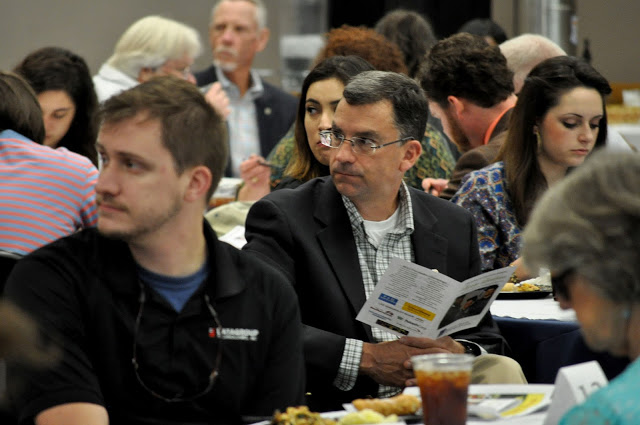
(559, 119)
(65, 91)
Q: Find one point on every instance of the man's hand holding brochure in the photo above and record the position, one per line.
(415, 301)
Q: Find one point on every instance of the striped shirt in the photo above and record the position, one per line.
(44, 193)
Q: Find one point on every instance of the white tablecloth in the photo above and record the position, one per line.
(533, 419)
(630, 132)
(537, 309)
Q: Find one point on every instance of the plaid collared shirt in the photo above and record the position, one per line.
(373, 263)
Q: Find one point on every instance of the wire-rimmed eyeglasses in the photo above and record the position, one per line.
(212, 376)
(359, 145)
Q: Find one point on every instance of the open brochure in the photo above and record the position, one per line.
(413, 300)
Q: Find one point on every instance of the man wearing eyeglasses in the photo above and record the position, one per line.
(335, 236)
(156, 321)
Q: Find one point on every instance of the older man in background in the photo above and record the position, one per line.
(260, 112)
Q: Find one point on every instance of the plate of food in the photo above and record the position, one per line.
(301, 415)
(406, 407)
(539, 287)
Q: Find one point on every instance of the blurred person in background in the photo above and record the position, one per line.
(260, 113)
(524, 52)
(488, 29)
(62, 82)
(586, 231)
(560, 118)
(470, 89)
(151, 46)
(413, 34)
(45, 193)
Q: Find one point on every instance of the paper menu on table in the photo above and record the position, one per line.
(506, 401)
(413, 300)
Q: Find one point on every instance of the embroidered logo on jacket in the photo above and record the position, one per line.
(238, 334)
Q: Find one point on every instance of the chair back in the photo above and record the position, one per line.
(7, 261)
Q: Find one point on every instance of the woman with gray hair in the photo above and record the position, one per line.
(586, 230)
(151, 46)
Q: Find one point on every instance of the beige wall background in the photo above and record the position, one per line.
(91, 28)
(612, 27)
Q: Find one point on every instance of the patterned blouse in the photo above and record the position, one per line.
(483, 193)
(615, 404)
(436, 160)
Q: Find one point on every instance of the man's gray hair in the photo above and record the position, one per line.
(150, 42)
(410, 107)
(261, 12)
(526, 51)
(589, 223)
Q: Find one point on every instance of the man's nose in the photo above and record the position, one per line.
(107, 181)
(344, 153)
(227, 35)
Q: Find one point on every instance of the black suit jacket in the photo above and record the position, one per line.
(306, 233)
(275, 110)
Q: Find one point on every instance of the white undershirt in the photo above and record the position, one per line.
(377, 230)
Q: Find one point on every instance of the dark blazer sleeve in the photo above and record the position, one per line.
(283, 230)
(269, 235)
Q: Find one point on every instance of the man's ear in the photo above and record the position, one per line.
(456, 104)
(263, 39)
(199, 182)
(412, 151)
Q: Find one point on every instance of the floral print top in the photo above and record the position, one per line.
(483, 192)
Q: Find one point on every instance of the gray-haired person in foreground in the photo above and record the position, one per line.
(586, 231)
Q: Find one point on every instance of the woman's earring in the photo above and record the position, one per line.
(538, 138)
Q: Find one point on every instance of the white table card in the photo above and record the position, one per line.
(573, 385)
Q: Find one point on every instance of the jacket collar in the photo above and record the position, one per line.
(336, 239)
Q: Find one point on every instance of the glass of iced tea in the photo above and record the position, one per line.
(444, 382)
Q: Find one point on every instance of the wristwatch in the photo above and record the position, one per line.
(470, 348)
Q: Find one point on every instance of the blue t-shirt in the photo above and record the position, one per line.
(616, 404)
(176, 290)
